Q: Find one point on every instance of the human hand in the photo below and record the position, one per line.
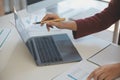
(106, 72)
(62, 24)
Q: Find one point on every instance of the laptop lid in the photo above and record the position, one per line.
(20, 27)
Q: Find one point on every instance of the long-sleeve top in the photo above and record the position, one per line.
(99, 21)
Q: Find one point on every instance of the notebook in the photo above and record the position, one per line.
(48, 49)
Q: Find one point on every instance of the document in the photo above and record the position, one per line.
(4, 32)
(36, 29)
(109, 55)
(79, 71)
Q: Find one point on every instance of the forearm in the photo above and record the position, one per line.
(98, 22)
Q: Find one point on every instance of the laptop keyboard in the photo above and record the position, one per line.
(46, 49)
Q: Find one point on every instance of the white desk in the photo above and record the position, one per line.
(16, 63)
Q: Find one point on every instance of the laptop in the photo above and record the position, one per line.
(48, 49)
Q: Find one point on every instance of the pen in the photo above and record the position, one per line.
(54, 20)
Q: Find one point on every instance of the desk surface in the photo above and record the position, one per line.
(16, 63)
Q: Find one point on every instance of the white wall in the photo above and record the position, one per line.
(6, 5)
(19, 4)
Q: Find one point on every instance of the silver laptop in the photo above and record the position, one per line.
(49, 49)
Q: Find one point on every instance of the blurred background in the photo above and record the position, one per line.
(6, 5)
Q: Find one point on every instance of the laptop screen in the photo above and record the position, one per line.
(20, 27)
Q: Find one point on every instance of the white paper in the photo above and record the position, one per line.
(78, 72)
(4, 32)
(109, 55)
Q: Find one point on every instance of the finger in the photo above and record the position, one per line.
(48, 17)
(90, 76)
(41, 24)
(110, 76)
(98, 74)
(45, 17)
(102, 76)
(48, 27)
(93, 75)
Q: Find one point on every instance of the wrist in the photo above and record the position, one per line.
(71, 25)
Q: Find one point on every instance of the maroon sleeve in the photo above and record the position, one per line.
(99, 21)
